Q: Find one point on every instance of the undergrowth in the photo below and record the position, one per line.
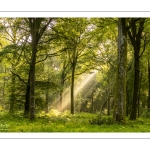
(65, 122)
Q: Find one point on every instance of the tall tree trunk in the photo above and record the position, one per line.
(72, 87)
(120, 101)
(36, 34)
(136, 85)
(32, 68)
(135, 38)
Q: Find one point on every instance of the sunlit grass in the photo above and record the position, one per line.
(66, 122)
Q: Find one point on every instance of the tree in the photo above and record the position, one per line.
(37, 30)
(120, 101)
(75, 38)
(12, 32)
(135, 34)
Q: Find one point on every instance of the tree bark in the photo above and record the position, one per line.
(60, 108)
(36, 34)
(27, 100)
(72, 86)
(108, 103)
(92, 97)
(12, 96)
(135, 38)
(127, 105)
(139, 94)
(47, 101)
(120, 101)
(32, 68)
(136, 86)
(47, 97)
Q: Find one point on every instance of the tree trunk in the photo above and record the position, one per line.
(36, 34)
(92, 101)
(47, 95)
(139, 94)
(127, 105)
(32, 68)
(47, 101)
(120, 101)
(108, 105)
(72, 87)
(136, 85)
(60, 101)
(135, 38)
(61, 92)
(27, 100)
(12, 96)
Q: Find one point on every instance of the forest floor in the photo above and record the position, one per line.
(65, 122)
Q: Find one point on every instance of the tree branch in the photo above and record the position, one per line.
(18, 77)
(144, 47)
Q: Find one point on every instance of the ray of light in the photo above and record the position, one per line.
(85, 86)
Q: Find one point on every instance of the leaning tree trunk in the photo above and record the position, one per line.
(120, 101)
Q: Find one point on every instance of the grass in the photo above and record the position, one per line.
(65, 122)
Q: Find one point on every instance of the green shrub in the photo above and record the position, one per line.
(101, 120)
(146, 113)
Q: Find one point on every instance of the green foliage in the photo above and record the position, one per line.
(146, 113)
(65, 122)
(101, 120)
(1, 108)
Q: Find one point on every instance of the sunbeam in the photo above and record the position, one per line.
(84, 85)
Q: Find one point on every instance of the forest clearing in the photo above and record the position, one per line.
(74, 74)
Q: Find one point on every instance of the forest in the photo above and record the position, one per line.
(74, 74)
